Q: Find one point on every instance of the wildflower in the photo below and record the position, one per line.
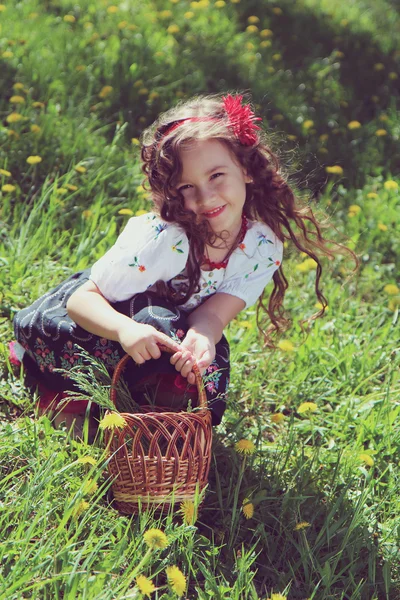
(141, 212)
(38, 104)
(292, 138)
(155, 539)
(112, 9)
(122, 24)
(7, 187)
(253, 19)
(306, 265)
(277, 418)
(8, 54)
(90, 487)
(61, 190)
(379, 67)
(86, 214)
(71, 187)
(80, 68)
(307, 407)
(69, 18)
(165, 14)
(18, 86)
(173, 28)
(245, 447)
(286, 345)
(390, 185)
(391, 289)
(17, 99)
(372, 195)
(393, 75)
(276, 56)
(355, 208)
(143, 91)
(277, 597)
(80, 169)
(380, 132)
(80, 508)
(176, 580)
(393, 304)
(87, 460)
(33, 160)
(188, 511)
(335, 169)
(266, 33)
(154, 95)
(308, 123)
(35, 129)
(2, 7)
(324, 137)
(125, 211)
(145, 585)
(14, 117)
(252, 28)
(135, 141)
(112, 420)
(369, 461)
(190, 15)
(5, 173)
(105, 91)
(382, 227)
(248, 508)
(301, 525)
(354, 125)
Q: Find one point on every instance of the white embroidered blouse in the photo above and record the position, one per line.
(150, 249)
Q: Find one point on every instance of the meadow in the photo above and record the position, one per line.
(303, 497)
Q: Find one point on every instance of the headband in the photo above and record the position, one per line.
(241, 120)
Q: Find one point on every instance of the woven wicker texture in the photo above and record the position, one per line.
(160, 457)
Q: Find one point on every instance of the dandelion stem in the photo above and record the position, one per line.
(233, 531)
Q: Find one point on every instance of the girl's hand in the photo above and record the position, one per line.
(141, 341)
(195, 347)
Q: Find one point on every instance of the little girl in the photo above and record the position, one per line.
(180, 273)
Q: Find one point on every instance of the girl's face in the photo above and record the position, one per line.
(213, 184)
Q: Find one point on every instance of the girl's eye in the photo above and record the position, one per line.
(186, 186)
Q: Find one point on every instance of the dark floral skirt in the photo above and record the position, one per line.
(52, 340)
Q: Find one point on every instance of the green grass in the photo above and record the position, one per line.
(334, 469)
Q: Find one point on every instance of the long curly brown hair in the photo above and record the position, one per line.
(269, 199)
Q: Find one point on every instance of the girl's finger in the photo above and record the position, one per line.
(166, 341)
(154, 351)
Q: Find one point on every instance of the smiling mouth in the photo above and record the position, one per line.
(215, 212)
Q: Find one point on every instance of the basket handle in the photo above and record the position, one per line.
(121, 365)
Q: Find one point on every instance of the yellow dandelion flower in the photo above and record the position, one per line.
(381, 132)
(354, 125)
(245, 447)
(62, 191)
(105, 91)
(335, 169)
(17, 99)
(319, 306)
(19, 86)
(277, 418)
(355, 208)
(38, 104)
(135, 141)
(80, 68)
(165, 14)
(112, 9)
(252, 28)
(391, 289)
(122, 24)
(14, 117)
(155, 539)
(390, 185)
(245, 324)
(145, 585)
(393, 304)
(34, 160)
(176, 580)
(80, 169)
(71, 187)
(141, 211)
(2, 7)
(266, 33)
(344, 22)
(307, 265)
(372, 195)
(5, 173)
(382, 227)
(125, 211)
(253, 19)
(277, 10)
(80, 508)
(143, 91)
(189, 14)
(235, 1)
(308, 123)
(286, 345)
(188, 512)
(277, 597)
(248, 508)
(276, 56)
(369, 461)
(112, 420)
(87, 460)
(172, 29)
(324, 137)
(7, 187)
(86, 214)
(11, 132)
(392, 75)
(379, 67)
(154, 95)
(90, 487)
(301, 525)
(306, 407)
(69, 18)
(292, 138)
(35, 129)
(7, 54)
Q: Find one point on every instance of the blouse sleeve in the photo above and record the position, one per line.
(146, 251)
(255, 262)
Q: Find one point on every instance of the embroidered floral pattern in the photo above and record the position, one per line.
(104, 350)
(44, 356)
(159, 229)
(262, 239)
(212, 377)
(69, 357)
(135, 263)
(176, 249)
(251, 272)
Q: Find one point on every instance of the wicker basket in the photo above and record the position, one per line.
(160, 457)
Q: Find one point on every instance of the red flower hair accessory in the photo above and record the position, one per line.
(241, 119)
